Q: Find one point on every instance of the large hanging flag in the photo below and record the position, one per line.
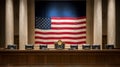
(59, 22)
(70, 30)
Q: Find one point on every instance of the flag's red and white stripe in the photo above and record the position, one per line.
(68, 29)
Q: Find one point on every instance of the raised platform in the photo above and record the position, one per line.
(106, 58)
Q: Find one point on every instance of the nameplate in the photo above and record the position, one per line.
(86, 46)
(43, 47)
(109, 46)
(29, 47)
(95, 46)
(11, 47)
(73, 47)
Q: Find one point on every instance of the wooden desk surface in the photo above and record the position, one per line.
(61, 50)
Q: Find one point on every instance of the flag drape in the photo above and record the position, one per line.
(71, 30)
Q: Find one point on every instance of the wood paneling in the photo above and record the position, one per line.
(55, 58)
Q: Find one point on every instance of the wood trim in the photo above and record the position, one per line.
(36, 57)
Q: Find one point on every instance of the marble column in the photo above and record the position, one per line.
(9, 23)
(23, 24)
(111, 22)
(97, 35)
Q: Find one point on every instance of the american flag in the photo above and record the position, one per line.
(71, 30)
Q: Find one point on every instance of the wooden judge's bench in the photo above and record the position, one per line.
(60, 58)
